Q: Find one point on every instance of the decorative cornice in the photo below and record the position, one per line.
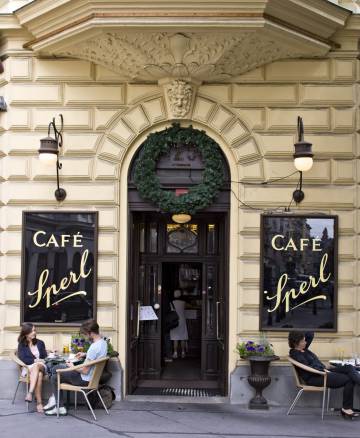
(144, 56)
(156, 39)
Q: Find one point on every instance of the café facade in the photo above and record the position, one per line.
(147, 147)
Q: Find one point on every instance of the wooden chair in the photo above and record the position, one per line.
(99, 365)
(22, 378)
(303, 387)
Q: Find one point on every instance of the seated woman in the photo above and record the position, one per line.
(337, 377)
(32, 352)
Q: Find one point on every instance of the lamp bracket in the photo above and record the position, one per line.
(298, 196)
(60, 194)
(300, 129)
(57, 131)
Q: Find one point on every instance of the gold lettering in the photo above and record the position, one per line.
(318, 297)
(316, 244)
(52, 241)
(80, 292)
(322, 268)
(303, 242)
(47, 294)
(304, 287)
(64, 284)
(42, 281)
(35, 238)
(65, 238)
(281, 284)
(273, 242)
(77, 240)
(291, 244)
(286, 297)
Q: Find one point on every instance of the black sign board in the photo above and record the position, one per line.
(59, 261)
(298, 280)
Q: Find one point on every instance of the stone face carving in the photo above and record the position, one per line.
(150, 56)
(179, 95)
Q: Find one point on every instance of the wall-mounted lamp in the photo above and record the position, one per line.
(303, 159)
(49, 153)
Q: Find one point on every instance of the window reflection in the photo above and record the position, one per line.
(142, 237)
(153, 234)
(211, 239)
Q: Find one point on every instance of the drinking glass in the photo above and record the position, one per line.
(357, 360)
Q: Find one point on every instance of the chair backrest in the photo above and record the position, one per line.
(21, 365)
(298, 379)
(99, 366)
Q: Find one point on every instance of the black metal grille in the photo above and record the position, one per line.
(178, 392)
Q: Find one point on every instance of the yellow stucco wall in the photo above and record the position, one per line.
(254, 122)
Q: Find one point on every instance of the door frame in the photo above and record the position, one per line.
(223, 265)
(122, 224)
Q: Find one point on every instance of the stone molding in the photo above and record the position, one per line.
(215, 44)
(204, 56)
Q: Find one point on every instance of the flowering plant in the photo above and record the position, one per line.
(78, 343)
(251, 348)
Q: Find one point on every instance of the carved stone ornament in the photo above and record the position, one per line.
(179, 94)
(149, 56)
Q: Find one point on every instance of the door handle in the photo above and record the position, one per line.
(217, 320)
(138, 320)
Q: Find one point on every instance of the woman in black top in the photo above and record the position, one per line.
(32, 352)
(337, 377)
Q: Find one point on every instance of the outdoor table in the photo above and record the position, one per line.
(60, 359)
(339, 362)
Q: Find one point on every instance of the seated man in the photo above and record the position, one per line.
(83, 375)
(338, 377)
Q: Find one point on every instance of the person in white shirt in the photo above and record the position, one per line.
(179, 333)
(83, 375)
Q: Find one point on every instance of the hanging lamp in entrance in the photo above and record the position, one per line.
(181, 218)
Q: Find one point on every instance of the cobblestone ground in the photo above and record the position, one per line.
(164, 420)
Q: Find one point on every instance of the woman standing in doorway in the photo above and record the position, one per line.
(32, 352)
(179, 333)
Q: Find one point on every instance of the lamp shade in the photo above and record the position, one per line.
(181, 218)
(303, 164)
(48, 159)
(303, 156)
(48, 151)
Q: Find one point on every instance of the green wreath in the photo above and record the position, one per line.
(199, 196)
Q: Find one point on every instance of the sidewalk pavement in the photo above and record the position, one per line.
(135, 419)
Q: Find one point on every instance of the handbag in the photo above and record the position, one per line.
(172, 318)
(107, 394)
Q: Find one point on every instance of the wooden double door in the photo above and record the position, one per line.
(165, 256)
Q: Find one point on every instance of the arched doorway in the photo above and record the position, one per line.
(165, 256)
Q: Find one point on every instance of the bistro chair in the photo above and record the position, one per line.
(99, 365)
(23, 377)
(303, 387)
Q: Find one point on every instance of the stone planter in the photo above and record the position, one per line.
(259, 379)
